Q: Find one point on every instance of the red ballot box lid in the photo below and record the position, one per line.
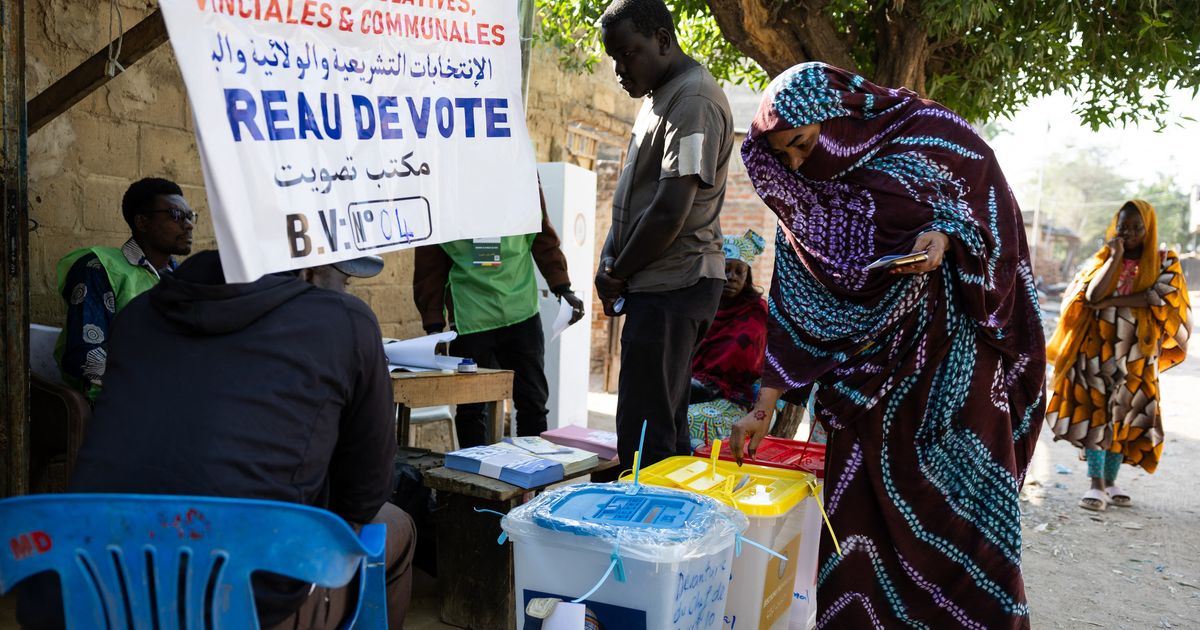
(778, 453)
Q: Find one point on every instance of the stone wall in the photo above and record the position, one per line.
(139, 125)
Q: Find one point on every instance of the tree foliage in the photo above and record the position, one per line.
(1170, 203)
(982, 58)
(1081, 191)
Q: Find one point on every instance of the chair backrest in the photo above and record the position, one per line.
(41, 352)
(58, 415)
(146, 561)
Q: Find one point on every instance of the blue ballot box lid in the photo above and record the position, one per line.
(648, 523)
(614, 507)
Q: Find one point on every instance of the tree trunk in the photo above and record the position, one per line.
(779, 34)
(902, 47)
(788, 422)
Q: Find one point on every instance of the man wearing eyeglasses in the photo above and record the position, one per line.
(96, 282)
(288, 399)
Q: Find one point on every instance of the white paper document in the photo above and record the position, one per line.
(418, 355)
(566, 616)
(562, 320)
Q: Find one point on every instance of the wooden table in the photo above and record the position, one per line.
(475, 575)
(430, 389)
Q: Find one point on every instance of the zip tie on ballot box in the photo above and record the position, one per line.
(812, 487)
(503, 534)
(614, 564)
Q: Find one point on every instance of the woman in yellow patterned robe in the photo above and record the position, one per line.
(1125, 319)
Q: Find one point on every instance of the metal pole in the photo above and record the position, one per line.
(526, 11)
(14, 255)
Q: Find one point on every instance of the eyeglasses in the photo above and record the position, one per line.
(179, 215)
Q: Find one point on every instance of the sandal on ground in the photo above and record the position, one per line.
(1094, 500)
(1118, 497)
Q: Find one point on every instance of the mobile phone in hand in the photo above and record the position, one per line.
(898, 260)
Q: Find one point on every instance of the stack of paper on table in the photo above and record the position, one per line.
(508, 466)
(573, 460)
(419, 355)
(602, 443)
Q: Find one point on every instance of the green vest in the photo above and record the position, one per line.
(487, 298)
(128, 281)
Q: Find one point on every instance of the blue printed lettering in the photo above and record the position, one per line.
(332, 131)
(241, 108)
(365, 124)
(275, 115)
(492, 112)
(420, 120)
(308, 121)
(468, 105)
(278, 115)
(445, 116)
(389, 118)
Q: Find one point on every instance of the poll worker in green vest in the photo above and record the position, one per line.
(487, 291)
(97, 282)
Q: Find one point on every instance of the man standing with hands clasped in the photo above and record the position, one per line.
(662, 266)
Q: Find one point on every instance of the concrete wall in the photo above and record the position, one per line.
(139, 125)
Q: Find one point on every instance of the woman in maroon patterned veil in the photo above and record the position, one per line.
(929, 376)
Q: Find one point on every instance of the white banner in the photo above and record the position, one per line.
(332, 130)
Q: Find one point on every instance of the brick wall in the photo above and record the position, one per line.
(558, 100)
(743, 210)
(139, 125)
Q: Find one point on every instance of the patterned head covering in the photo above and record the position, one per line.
(745, 247)
(815, 92)
(887, 167)
(1148, 264)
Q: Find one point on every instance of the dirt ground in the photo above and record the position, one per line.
(1124, 568)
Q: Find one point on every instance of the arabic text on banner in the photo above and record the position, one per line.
(332, 130)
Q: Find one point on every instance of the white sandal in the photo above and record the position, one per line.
(1118, 497)
(1100, 498)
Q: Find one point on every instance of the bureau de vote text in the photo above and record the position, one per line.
(281, 115)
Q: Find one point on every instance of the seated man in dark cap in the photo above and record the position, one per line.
(278, 389)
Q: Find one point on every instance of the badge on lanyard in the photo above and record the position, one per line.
(487, 252)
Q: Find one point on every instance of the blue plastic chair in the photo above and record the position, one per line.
(133, 561)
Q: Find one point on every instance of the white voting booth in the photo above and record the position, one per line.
(571, 203)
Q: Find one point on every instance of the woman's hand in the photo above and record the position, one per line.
(932, 243)
(1117, 246)
(753, 425)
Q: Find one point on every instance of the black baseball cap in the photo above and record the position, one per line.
(365, 267)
